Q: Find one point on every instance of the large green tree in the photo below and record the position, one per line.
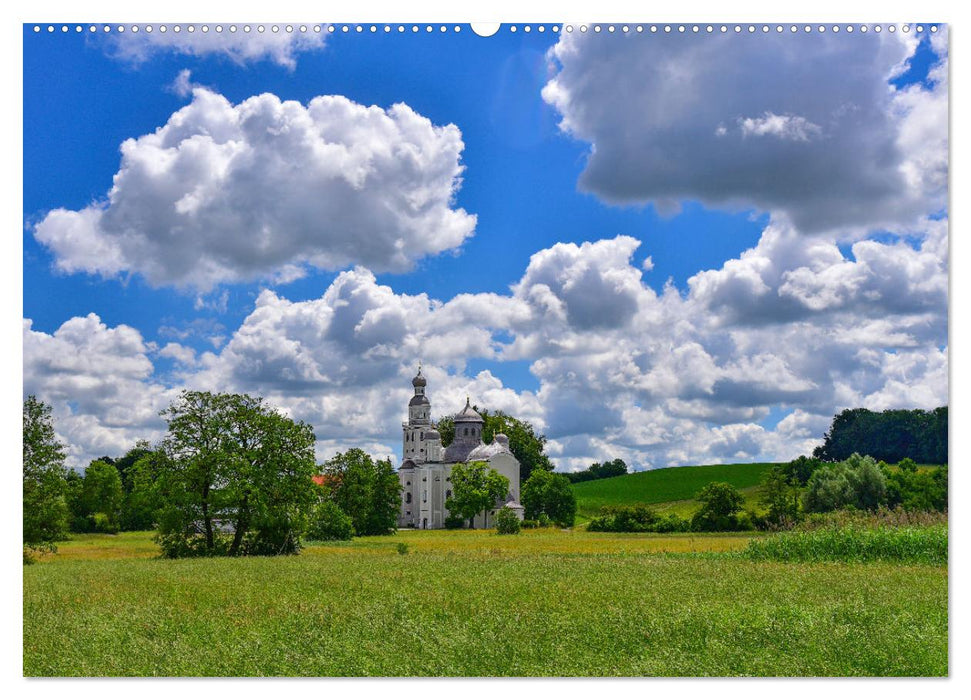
(476, 488)
(98, 505)
(233, 477)
(720, 506)
(525, 444)
(366, 489)
(552, 494)
(45, 512)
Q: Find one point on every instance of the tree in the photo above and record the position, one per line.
(615, 467)
(801, 468)
(476, 487)
(780, 492)
(367, 490)
(552, 494)
(506, 522)
(139, 511)
(329, 522)
(233, 477)
(828, 489)
(45, 511)
(101, 497)
(888, 436)
(524, 443)
(868, 482)
(720, 504)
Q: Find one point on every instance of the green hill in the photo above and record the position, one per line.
(664, 485)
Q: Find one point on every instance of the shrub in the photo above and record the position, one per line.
(636, 518)
(402, 548)
(330, 523)
(528, 524)
(454, 522)
(507, 523)
(720, 504)
(543, 520)
(100, 522)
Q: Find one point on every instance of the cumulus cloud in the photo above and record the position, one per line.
(100, 383)
(793, 325)
(239, 46)
(267, 188)
(806, 126)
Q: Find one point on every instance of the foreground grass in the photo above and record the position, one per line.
(477, 604)
(676, 487)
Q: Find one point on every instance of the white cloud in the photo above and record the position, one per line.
(655, 379)
(265, 189)
(784, 126)
(280, 47)
(805, 126)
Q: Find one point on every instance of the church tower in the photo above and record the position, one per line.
(420, 441)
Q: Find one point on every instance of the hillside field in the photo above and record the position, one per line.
(472, 603)
(674, 487)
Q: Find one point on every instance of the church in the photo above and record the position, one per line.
(426, 467)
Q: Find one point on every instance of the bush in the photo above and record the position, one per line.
(330, 523)
(719, 512)
(454, 522)
(855, 482)
(100, 522)
(528, 524)
(507, 523)
(636, 518)
(402, 548)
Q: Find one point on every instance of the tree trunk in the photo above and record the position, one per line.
(242, 523)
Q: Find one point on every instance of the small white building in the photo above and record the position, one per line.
(426, 468)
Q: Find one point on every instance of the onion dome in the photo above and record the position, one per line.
(433, 434)
(502, 439)
(468, 414)
(419, 380)
(418, 400)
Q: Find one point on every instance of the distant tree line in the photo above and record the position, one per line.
(615, 467)
(888, 436)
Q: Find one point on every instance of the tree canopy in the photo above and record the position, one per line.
(476, 487)
(552, 494)
(887, 436)
(234, 477)
(614, 467)
(367, 490)
(525, 444)
(45, 510)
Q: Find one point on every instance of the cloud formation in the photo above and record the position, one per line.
(267, 188)
(806, 126)
(280, 47)
(677, 377)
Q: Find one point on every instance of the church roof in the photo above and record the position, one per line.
(417, 400)
(484, 452)
(468, 414)
(418, 380)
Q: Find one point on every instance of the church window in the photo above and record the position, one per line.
(422, 435)
(465, 431)
(407, 498)
(448, 494)
(424, 495)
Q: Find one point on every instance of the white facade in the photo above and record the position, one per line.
(426, 467)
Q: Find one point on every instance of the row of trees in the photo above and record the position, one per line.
(615, 467)
(232, 476)
(888, 436)
(809, 485)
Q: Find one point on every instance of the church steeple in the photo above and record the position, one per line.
(419, 408)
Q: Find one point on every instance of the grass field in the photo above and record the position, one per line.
(672, 490)
(461, 603)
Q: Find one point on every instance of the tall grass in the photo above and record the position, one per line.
(854, 543)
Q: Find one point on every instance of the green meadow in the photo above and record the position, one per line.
(669, 490)
(472, 603)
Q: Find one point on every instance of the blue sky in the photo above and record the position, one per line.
(579, 157)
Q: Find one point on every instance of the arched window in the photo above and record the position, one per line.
(422, 435)
(407, 498)
(448, 494)
(465, 431)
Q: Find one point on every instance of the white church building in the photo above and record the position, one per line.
(426, 467)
